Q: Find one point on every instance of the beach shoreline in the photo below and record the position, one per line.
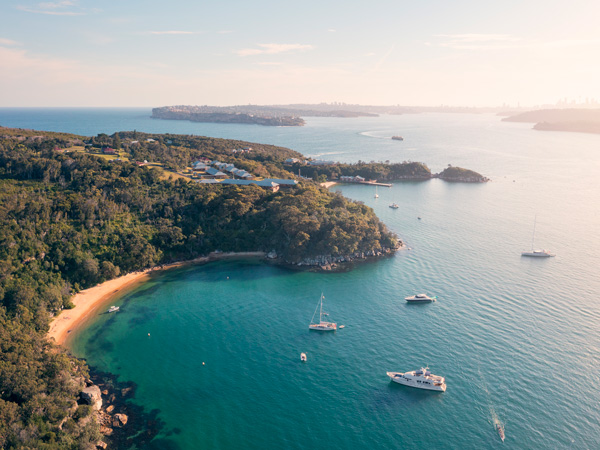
(89, 301)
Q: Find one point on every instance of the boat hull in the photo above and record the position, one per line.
(396, 377)
(322, 327)
(537, 254)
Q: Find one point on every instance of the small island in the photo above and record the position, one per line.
(460, 175)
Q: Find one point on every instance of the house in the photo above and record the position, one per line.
(282, 182)
(211, 172)
(319, 162)
(269, 185)
(208, 181)
(351, 179)
(108, 151)
(290, 161)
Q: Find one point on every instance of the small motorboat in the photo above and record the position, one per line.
(303, 357)
(500, 429)
(394, 206)
(113, 309)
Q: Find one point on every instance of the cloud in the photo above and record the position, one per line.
(53, 8)
(51, 5)
(175, 32)
(474, 37)
(4, 41)
(477, 41)
(473, 41)
(272, 49)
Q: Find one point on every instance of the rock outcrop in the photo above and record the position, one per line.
(92, 396)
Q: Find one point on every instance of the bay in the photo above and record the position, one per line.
(517, 338)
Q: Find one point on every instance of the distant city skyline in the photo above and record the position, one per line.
(430, 53)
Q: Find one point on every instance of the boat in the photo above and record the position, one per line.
(376, 194)
(500, 429)
(397, 138)
(422, 379)
(420, 298)
(303, 357)
(113, 309)
(321, 325)
(394, 206)
(536, 253)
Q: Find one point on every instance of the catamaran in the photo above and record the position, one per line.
(534, 252)
(322, 325)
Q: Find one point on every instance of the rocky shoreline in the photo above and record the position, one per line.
(122, 423)
(329, 263)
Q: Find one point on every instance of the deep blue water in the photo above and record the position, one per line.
(517, 338)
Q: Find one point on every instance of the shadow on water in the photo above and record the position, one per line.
(144, 429)
(396, 395)
(251, 269)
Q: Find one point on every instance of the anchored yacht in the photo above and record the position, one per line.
(422, 379)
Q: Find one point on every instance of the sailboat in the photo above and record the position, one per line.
(534, 252)
(321, 325)
(376, 194)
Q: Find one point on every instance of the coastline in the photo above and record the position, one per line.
(91, 300)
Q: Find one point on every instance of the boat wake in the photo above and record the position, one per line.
(372, 134)
(495, 420)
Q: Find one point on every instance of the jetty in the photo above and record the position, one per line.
(374, 183)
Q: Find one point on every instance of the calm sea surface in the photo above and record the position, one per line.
(518, 339)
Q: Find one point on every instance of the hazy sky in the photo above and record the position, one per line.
(418, 52)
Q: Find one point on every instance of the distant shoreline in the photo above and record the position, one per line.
(92, 301)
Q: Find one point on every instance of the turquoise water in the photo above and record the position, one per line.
(517, 338)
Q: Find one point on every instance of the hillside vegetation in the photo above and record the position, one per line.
(70, 220)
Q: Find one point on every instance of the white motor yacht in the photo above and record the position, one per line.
(113, 309)
(422, 379)
(420, 298)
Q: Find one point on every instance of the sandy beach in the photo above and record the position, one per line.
(90, 301)
(328, 184)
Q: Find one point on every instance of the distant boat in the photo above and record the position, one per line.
(420, 298)
(376, 194)
(419, 217)
(394, 206)
(303, 357)
(500, 429)
(321, 325)
(421, 379)
(113, 309)
(397, 138)
(533, 252)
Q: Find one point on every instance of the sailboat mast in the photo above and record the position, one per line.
(321, 312)
(533, 236)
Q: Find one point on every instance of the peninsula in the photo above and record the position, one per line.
(572, 119)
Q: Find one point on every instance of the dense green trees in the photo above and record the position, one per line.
(71, 220)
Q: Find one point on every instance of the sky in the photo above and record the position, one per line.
(230, 52)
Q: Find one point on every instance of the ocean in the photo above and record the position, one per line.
(214, 350)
